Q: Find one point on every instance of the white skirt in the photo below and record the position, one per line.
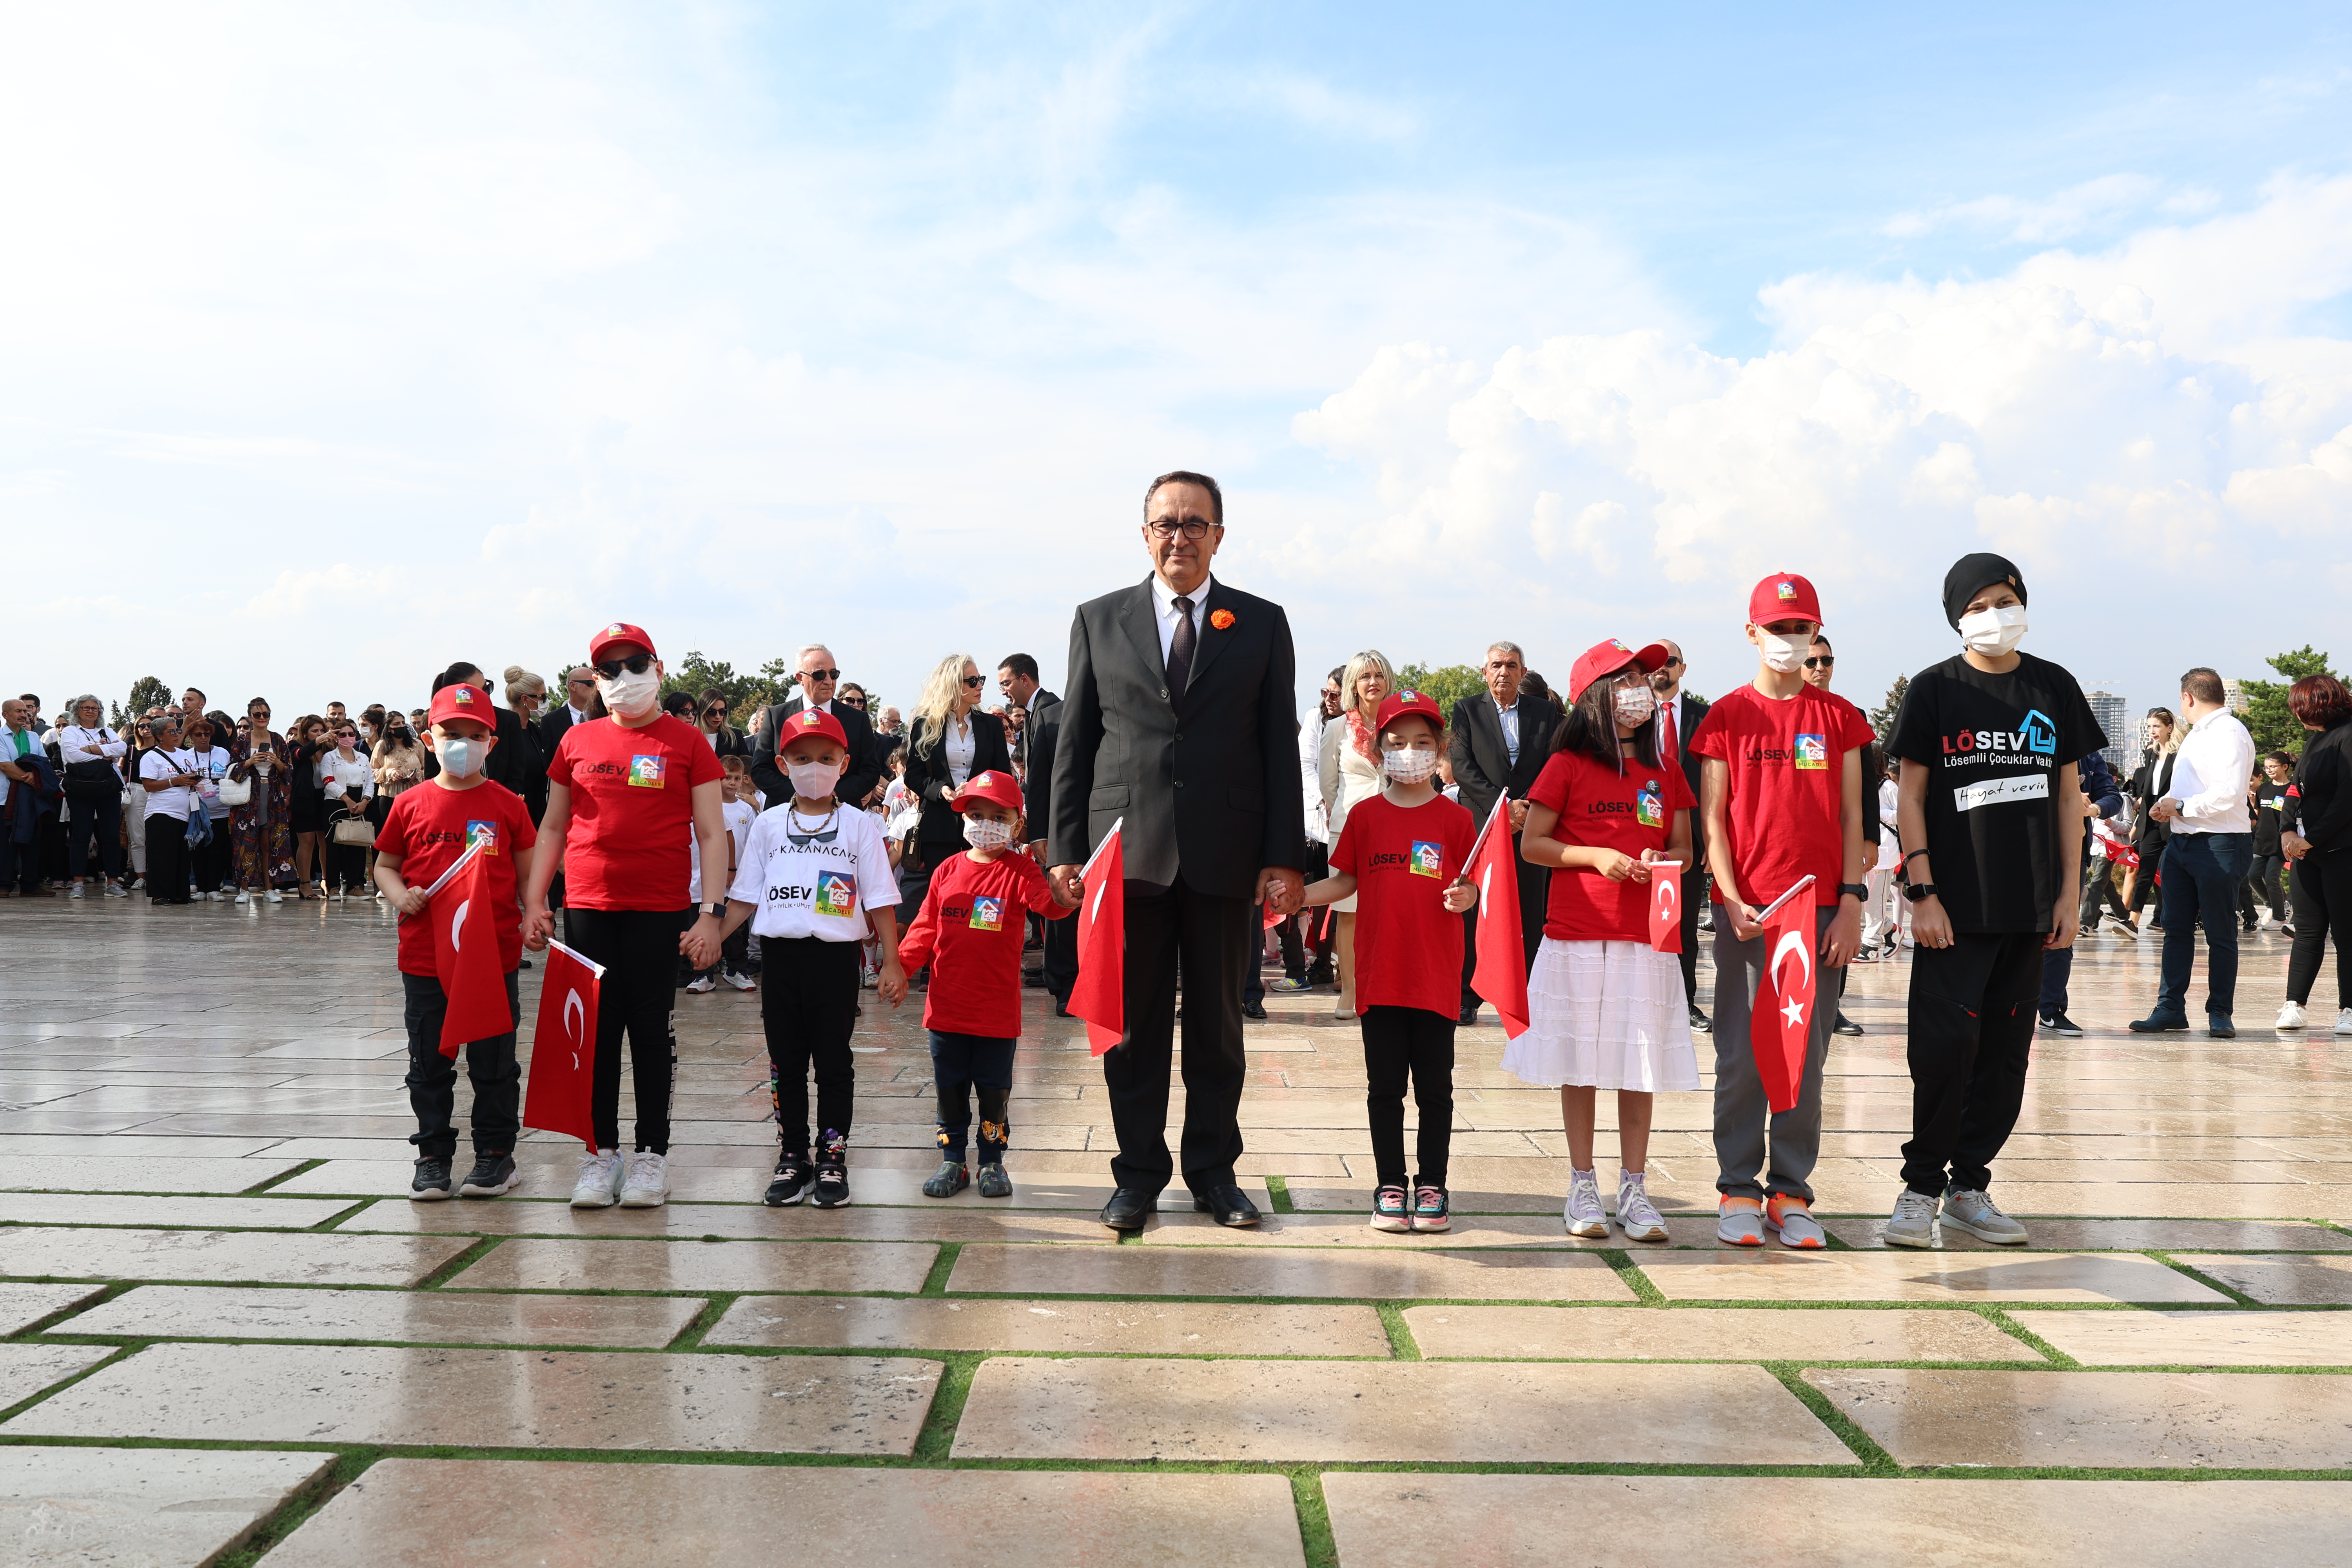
(1605, 1014)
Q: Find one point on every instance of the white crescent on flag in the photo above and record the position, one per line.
(571, 1003)
(457, 924)
(1670, 893)
(1094, 911)
(1791, 942)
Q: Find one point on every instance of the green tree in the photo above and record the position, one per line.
(2275, 728)
(696, 674)
(146, 693)
(1882, 717)
(1448, 685)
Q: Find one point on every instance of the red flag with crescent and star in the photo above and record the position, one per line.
(1665, 906)
(1780, 1024)
(564, 1048)
(1501, 974)
(466, 956)
(1099, 993)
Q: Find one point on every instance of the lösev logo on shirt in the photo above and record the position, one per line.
(1991, 792)
(836, 894)
(1649, 806)
(2035, 735)
(1812, 751)
(1428, 858)
(485, 834)
(645, 770)
(987, 914)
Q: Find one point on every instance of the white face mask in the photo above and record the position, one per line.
(1408, 766)
(812, 781)
(629, 695)
(462, 759)
(1635, 704)
(981, 834)
(1993, 633)
(1782, 653)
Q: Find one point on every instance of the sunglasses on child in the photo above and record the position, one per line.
(635, 664)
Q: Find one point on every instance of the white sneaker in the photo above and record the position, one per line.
(600, 1180)
(701, 985)
(1637, 1216)
(114, 890)
(2344, 1022)
(2291, 1016)
(1967, 1209)
(1581, 1213)
(1913, 1221)
(739, 980)
(275, 897)
(647, 1186)
(74, 892)
(243, 896)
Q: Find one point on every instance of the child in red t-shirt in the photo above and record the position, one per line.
(424, 833)
(969, 931)
(1605, 1009)
(1782, 798)
(1406, 850)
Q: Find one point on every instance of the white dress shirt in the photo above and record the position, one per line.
(1510, 718)
(2210, 775)
(1164, 601)
(958, 745)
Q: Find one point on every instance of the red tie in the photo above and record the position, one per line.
(1666, 729)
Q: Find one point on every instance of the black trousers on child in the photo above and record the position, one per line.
(808, 1006)
(639, 997)
(1972, 1023)
(433, 1077)
(960, 1065)
(1399, 1041)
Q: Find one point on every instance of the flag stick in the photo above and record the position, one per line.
(579, 958)
(1502, 804)
(462, 861)
(1107, 837)
(1769, 910)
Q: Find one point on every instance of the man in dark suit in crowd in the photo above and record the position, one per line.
(1501, 740)
(1016, 677)
(817, 673)
(1179, 721)
(1679, 716)
(1042, 736)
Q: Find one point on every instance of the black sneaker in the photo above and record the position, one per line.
(432, 1181)
(493, 1175)
(792, 1183)
(832, 1189)
(1699, 1022)
(2059, 1023)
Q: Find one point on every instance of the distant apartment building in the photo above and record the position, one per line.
(2114, 715)
(2234, 694)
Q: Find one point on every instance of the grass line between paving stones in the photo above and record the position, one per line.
(1322, 1548)
(472, 1255)
(1277, 1189)
(2019, 1332)
(9, 1412)
(340, 1216)
(1632, 1276)
(292, 1514)
(1402, 1343)
(306, 1166)
(1876, 1461)
(690, 1337)
(2231, 1291)
(936, 1441)
(42, 1325)
(935, 1283)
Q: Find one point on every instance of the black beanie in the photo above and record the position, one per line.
(1971, 575)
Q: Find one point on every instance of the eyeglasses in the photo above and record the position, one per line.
(1190, 527)
(715, 712)
(1823, 662)
(975, 681)
(635, 664)
(856, 702)
(581, 680)
(820, 675)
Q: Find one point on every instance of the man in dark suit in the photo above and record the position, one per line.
(1500, 742)
(1679, 716)
(1179, 722)
(818, 672)
(1042, 736)
(1016, 677)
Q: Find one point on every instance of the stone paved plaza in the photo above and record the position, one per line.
(229, 1337)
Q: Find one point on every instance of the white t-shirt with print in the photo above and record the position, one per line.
(738, 816)
(815, 888)
(160, 764)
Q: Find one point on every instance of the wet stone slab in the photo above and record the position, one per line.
(424, 1317)
(1728, 1334)
(1777, 1275)
(1059, 1327)
(1382, 1274)
(158, 1508)
(533, 1264)
(2237, 1338)
(2280, 1281)
(314, 1259)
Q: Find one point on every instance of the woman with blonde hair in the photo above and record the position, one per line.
(1349, 768)
(948, 739)
(526, 695)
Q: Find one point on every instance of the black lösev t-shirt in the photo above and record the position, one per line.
(1992, 746)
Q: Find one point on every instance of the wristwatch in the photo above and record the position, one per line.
(1914, 891)
(1858, 889)
(717, 912)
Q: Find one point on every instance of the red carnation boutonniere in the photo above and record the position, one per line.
(1220, 619)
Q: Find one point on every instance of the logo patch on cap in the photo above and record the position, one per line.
(809, 717)
(981, 780)
(462, 696)
(1619, 644)
(615, 629)
(1787, 590)
(1408, 696)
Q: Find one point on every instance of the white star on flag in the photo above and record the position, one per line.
(1795, 1011)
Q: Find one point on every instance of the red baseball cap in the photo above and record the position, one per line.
(1608, 657)
(1000, 789)
(811, 722)
(460, 701)
(1398, 703)
(619, 631)
(1783, 597)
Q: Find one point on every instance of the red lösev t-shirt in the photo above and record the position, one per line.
(428, 828)
(1602, 808)
(1786, 760)
(632, 811)
(970, 930)
(1403, 858)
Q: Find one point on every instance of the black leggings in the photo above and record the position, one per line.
(808, 1006)
(2321, 887)
(638, 949)
(1399, 1041)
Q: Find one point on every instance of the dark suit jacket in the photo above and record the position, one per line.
(1209, 788)
(1042, 739)
(1689, 715)
(1037, 706)
(1482, 763)
(2149, 784)
(942, 826)
(863, 772)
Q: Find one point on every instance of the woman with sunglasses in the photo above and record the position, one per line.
(948, 741)
(348, 784)
(261, 833)
(623, 795)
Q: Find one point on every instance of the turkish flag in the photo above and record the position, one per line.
(464, 919)
(1666, 905)
(1099, 993)
(1501, 977)
(564, 1048)
(1781, 1025)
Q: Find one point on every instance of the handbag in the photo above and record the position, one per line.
(235, 791)
(357, 831)
(92, 778)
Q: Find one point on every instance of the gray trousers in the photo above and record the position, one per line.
(1741, 1113)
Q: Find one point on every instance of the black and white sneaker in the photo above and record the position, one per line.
(493, 1175)
(432, 1181)
(2059, 1023)
(792, 1183)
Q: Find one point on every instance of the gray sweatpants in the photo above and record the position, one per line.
(1741, 1111)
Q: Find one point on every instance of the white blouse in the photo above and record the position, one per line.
(338, 775)
(959, 746)
(73, 741)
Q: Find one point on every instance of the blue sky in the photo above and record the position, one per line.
(335, 343)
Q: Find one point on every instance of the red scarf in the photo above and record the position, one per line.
(1360, 736)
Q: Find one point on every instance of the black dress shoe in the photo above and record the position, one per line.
(1469, 1014)
(1846, 1025)
(1061, 1008)
(1227, 1205)
(1253, 1009)
(1128, 1208)
(1699, 1023)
